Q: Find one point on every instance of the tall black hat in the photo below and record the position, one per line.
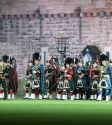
(5, 58)
(69, 61)
(104, 57)
(36, 56)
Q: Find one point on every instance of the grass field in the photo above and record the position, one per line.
(47, 112)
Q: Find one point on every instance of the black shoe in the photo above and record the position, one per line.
(4, 98)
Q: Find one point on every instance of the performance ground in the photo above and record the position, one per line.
(55, 112)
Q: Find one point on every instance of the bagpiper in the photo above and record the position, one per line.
(49, 70)
(28, 79)
(75, 64)
(10, 77)
(14, 66)
(59, 89)
(38, 76)
(3, 92)
(104, 79)
(68, 85)
(81, 80)
(56, 72)
(94, 80)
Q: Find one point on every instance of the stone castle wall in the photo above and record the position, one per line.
(27, 31)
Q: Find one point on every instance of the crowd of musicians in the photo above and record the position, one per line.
(8, 77)
(73, 80)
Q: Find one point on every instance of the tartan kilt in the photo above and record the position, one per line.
(84, 84)
(72, 85)
(12, 82)
(11, 86)
(16, 81)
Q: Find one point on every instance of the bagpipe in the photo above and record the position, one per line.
(28, 78)
(94, 78)
(35, 70)
(103, 70)
(80, 76)
(32, 79)
(49, 72)
(29, 73)
(63, 83)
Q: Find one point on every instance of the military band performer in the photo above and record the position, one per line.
(60, 83)
(68, 86)
(10, 77)
(28, 80)
(3, 90)
(56, 72)
(81, 80)
(94, 80)
(49, 70)
(38, 76)
(75, 64)
(14, 66)
(105, 78)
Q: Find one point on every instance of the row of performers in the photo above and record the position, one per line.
(8, 77)
(72, 80)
